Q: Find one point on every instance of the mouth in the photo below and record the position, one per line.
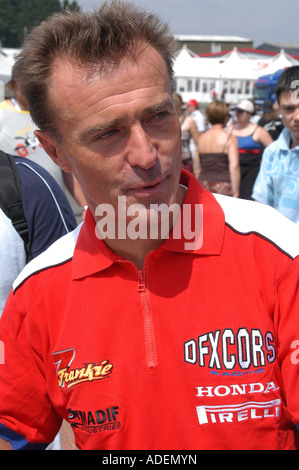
(148, 187)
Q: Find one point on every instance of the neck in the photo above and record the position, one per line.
(136, 246)
(134, 250)
(240, 125)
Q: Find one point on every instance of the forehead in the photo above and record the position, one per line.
(73, 82)
(289, 98)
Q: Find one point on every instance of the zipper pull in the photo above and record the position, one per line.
(141, 280)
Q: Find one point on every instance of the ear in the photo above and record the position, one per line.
(53, 149)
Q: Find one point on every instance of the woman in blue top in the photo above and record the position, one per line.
(252, 139)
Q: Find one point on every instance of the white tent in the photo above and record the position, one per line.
(280, 61)
(6, 63)
(201, 78)
(238, 66)
(188, 65)
(185, 64)
(232, 65)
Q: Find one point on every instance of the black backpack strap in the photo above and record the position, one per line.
(11, 198)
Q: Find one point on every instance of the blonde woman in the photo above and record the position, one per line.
(189, 131)
(218, 154)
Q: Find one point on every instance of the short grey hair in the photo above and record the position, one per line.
(96, 40)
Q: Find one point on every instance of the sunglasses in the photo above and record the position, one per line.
(240, 111)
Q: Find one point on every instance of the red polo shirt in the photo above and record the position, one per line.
(195, 351)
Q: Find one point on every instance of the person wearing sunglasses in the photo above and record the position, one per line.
(252, 139)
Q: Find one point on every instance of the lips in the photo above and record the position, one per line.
(148, 186)
(152, 185)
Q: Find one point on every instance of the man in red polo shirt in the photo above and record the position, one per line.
(144, 337)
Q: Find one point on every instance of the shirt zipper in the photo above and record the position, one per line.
(150, 346)
(149, 334)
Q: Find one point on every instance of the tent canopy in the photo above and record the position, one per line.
(280, 61)
(231, 66)
(5, 69)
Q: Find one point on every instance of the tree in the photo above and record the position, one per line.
(70, 6)
(18, 17)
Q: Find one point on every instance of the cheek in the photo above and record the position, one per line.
(286, 119)
(90, 165)
(100, 177)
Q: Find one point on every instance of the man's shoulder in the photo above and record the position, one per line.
(30, 169)
(250, 217)
(37, 183)
(59, 253)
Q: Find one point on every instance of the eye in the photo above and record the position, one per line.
(110, 133)
(161, 115)
(106, 135)
(158, 116)
(289, 109)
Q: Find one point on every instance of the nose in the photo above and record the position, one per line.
(141, 150)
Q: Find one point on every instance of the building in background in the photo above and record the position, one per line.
(206, 44)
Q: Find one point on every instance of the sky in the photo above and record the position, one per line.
(274, 21)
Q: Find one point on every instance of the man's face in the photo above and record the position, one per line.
(120, 134)
(191, 108)
(289, 110)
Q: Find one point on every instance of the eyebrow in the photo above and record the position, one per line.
(287, 105)
(99, 128)
(158, 106)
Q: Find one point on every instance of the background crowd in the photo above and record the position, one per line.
(249, 152)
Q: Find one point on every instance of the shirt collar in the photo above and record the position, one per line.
(200, 214)
(91, 254)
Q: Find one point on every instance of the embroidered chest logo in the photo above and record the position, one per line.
(68, 377)
(226, 350)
